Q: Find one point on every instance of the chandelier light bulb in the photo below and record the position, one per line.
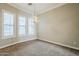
(36, 19)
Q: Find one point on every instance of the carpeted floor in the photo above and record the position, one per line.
(37, 48)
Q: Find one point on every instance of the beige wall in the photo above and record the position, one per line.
(61, 26)
(14, 40)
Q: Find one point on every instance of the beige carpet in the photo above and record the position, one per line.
(37, 48)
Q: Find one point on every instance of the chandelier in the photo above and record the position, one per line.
(35, 11)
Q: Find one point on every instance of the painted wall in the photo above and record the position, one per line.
(14, 40)
(61, 26)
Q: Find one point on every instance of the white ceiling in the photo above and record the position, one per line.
(40, 7)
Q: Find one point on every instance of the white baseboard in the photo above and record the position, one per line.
(15, 43)
(76, 48)
(42, 40)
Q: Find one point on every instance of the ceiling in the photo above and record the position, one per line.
(38, 7)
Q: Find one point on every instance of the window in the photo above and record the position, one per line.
(31, 26)
(8, 24)
(22, 25)
(11, 26)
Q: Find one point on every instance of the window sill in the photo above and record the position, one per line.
(8, 37)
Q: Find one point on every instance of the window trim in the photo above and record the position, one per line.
(26, 31)
(14, 16)
(34, 33)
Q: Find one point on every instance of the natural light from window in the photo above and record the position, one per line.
(22, 25)
(31, 26)
(8, 24)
